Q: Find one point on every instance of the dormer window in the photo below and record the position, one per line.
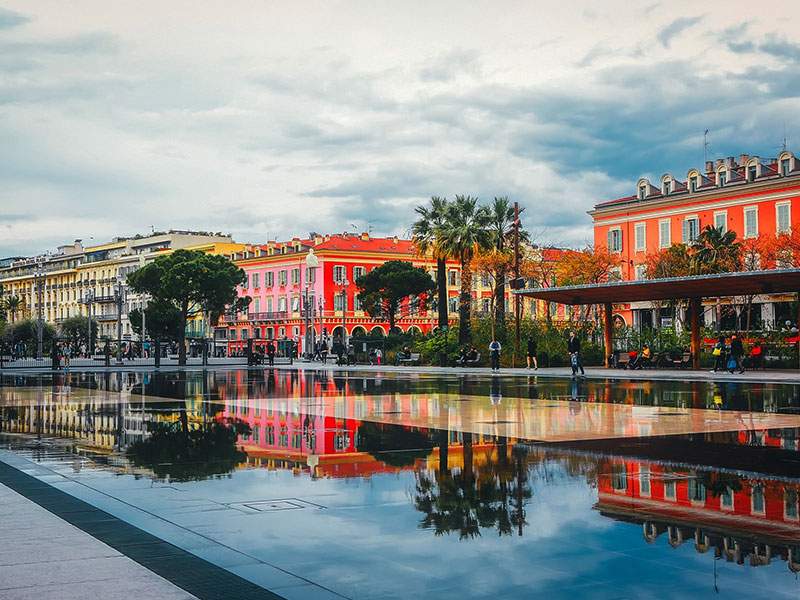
(693, 183)
(785, 167)
(722, 178)
(667, 187)
(642, 192)
(751, 173)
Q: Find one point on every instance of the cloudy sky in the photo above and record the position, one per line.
(271, 119)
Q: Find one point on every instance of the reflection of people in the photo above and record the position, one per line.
(495, 393)
(271, 353)
(494, 354)
(574, 349)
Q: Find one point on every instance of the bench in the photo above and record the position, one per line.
(412, 359)
(684, 361)
(621, 359)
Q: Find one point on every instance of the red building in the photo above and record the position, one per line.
(748, 195)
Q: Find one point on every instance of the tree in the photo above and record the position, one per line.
(193, 282)
(27, 332)
(383, 289)
(674, 261)
(585, 267)
(162, 320)
(501, 228)
(466, 230)
(76, 329)
(427, 235)
(13, 305)
(539, 265)
(494, 264)
(715, 251)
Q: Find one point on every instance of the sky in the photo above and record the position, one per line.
(267, 120)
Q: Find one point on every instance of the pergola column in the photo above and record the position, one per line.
(608, 331)
(695, 306)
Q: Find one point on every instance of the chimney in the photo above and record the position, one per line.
(730, 162)
(709, 167)
(743, 159)
(365, 236)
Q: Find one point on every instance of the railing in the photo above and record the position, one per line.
(259, 316)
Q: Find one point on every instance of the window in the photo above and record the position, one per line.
(615, 274)
(785, 165)
(751, 221)
(615, 240)
(269, 279)
(256, 333)
(246, 284)
(282, 277)
(338, 302)
(790, 504)
(641, 272)
(642, 192)
(757, 499)
(244, 334)
(232, 334)
(452, 278)
(295, 304)
(256, 280)
(269, 304)
(751, 173)
(669, 489)
(485, 305)
(691, 228)
(339, 273)
(783, 217)
(296, 275)
(257, 305)
(311, 275)
(452, 305)
(667, 187)
(357, 303)
(726, 498)
(282, 304)
(696, 490)
(664, 234)
(296, 331)
(639, 231)
(359, 272)
(619, 478)
(693, 183)
(644, 481)
(723, 178)
(485, 280)
(721, 221)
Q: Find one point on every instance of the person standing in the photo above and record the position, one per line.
(271, 353)
(494, 354)
(737, 352)
(574, 349)
(66, 352)
(531, 357)
(718, 352)
(323, 352)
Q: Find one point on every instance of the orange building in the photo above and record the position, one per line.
(748, 195)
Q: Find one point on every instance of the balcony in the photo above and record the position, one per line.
(268, 316)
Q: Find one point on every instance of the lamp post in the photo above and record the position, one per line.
(119, 297)
(87, 299)
(38, 277)
(345, 283)
(312, 262)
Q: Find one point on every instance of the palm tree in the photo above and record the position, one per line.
(13, 304)
(715, 251)
(426, 233)
(501, 214)
(465, 231)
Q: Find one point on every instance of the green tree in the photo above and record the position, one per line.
(27, 333)
(13, 305)
(427, 236)
(193, 282)
(162, 321)
(383, 289)
(76, 329)
(715, 251)
(465, 231)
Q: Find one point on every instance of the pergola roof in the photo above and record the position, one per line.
(700, 286)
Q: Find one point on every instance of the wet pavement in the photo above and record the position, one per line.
(325, 484)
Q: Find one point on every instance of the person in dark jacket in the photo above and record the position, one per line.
(737, 352)
(271, 353)
(531, 356)
(574, 349)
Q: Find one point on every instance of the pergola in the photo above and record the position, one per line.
(693, 289)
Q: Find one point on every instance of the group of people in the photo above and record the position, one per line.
(531, 357)
(728, 356)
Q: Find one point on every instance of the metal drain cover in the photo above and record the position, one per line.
(275, 505)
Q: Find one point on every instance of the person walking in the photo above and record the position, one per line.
(574, 350)
(737, 352)
(271, 353)
(66, 352)
(323, 351)
(718, 352)
(494, 354)
(531, 357)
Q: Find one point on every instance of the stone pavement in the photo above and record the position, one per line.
(43, 556)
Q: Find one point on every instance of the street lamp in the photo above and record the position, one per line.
(38, 277)
(345, 283)
(88, 298)
(312, 262)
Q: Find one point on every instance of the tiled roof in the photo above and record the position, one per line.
(356, 243)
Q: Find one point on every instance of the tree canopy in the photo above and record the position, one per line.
(193, 282)
(161, 321)
(76, 330)
(383, 289)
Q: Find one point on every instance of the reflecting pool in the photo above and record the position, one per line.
(318, 484)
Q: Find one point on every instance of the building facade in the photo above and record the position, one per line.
(77, 279)
(748, 195)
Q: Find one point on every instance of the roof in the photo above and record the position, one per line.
(700, 286)
(359, 244)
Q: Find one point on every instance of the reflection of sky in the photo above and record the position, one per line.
(367, 542)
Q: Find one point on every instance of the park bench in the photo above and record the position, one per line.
(412, 359)
(621, 359)
(684, 361)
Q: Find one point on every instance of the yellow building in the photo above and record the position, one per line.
(76, 279)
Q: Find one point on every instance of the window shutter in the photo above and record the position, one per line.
(609, 245)
(685, 231)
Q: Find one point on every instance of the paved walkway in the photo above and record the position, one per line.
(43, 556)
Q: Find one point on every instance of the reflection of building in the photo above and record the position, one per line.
(741, 517)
